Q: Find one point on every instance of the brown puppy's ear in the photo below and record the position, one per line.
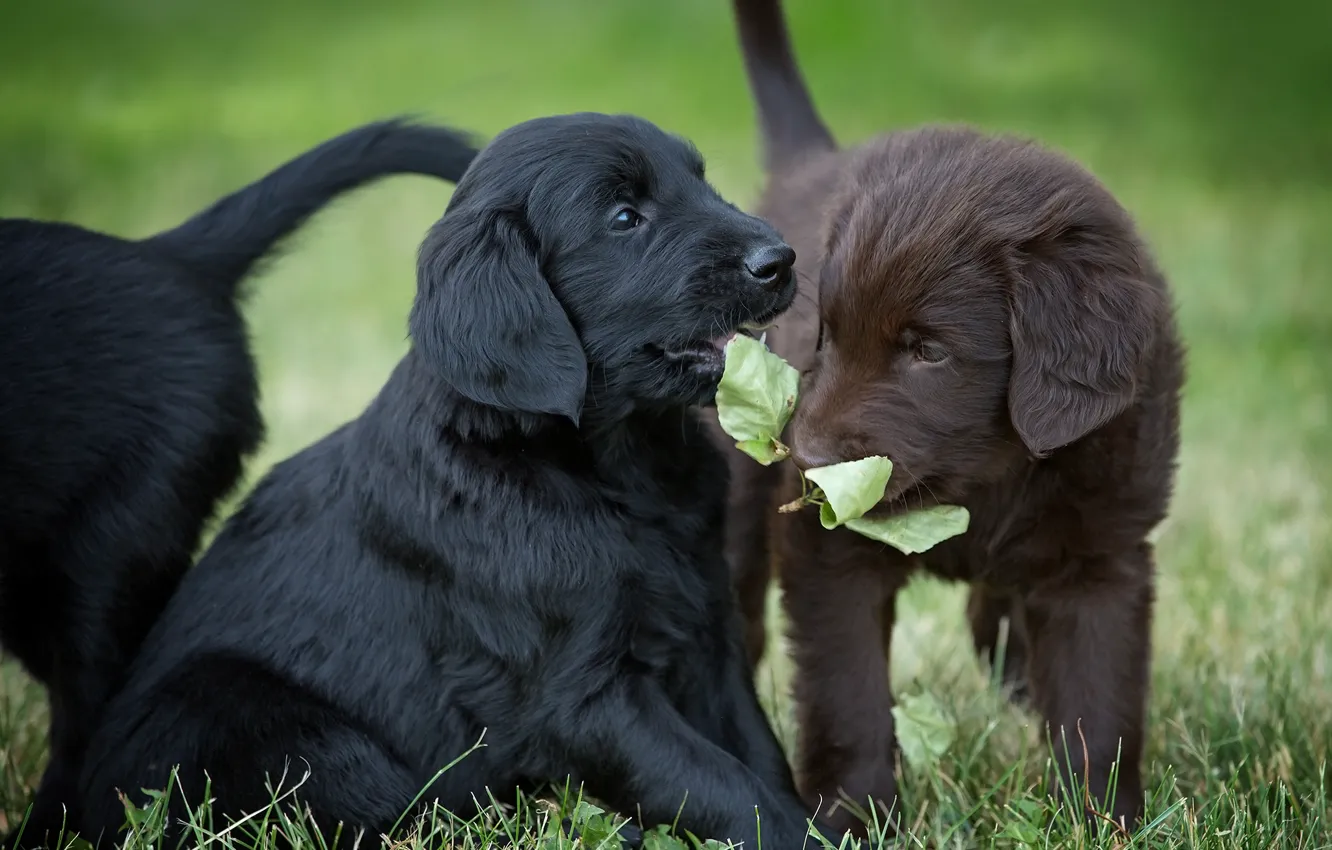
(486, 317)
(1083, 317)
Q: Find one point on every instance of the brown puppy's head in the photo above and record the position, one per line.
(982, 300)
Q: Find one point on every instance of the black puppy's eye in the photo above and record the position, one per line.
(626, 218)
(930, 352)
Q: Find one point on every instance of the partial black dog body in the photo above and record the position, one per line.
(520, 537)
(129, 403)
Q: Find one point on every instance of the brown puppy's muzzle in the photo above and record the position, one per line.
(821, 436)
(812, 452)
(818, 438)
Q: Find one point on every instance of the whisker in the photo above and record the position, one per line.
(800, 293)
(918, 484)
(925, 485)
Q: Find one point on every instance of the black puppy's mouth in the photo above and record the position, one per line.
(710, 354)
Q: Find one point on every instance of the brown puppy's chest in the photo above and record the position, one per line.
(1017, 538)
(1028, 532)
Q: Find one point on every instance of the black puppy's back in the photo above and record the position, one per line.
(129, 404)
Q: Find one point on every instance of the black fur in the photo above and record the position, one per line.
(129, 403)
(521, 535)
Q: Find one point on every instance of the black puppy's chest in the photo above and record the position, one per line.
(672, 577)
(674, 573)
(670, 600)
(624, 539)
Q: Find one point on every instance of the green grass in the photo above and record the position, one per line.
(1212, 128)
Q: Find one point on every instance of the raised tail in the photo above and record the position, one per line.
(790, 124)
(224, 242)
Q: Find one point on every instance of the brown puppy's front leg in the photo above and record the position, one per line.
(1089, 664)
(986, 610)
(839, 590)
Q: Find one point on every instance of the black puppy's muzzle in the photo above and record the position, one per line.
(763, 289)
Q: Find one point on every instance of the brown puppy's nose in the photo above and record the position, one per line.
(770, 264)
(813, 453)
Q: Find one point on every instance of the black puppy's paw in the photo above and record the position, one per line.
(37, 834)
(829, 836)
(25, 838)
(631, 837)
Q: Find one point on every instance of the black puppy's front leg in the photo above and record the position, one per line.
(730, 714)
(642, 755)
(746, 733)
(51, 815)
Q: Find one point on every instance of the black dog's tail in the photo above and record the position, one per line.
(790, 124)
(224, 242)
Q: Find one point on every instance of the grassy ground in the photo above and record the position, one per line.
(1212, 129)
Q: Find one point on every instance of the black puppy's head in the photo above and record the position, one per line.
(584, 261)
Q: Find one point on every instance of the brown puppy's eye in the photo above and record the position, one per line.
(930, 352)
(626, 218)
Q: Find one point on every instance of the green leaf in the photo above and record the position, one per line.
(924, 731)
(914, 531)
(756, 398)
(660, 838)
(596, 827)
(850, 488)
(827, 515)
(585, 810)
(135, 816)
(764, 451)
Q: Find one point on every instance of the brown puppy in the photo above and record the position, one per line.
(981, 311)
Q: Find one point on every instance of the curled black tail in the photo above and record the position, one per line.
(790, 124)
(224, 242)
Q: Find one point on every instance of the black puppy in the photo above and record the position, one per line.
(129, 402)
(521, 535)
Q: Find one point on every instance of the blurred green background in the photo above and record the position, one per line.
(1211, 121)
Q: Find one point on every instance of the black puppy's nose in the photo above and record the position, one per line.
(769, 264)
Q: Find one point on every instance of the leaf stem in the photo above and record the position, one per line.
(808, 496)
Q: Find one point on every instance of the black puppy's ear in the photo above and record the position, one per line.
(486, 317)
(1083, 318)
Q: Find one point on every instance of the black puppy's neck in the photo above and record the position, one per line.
(606, 426)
